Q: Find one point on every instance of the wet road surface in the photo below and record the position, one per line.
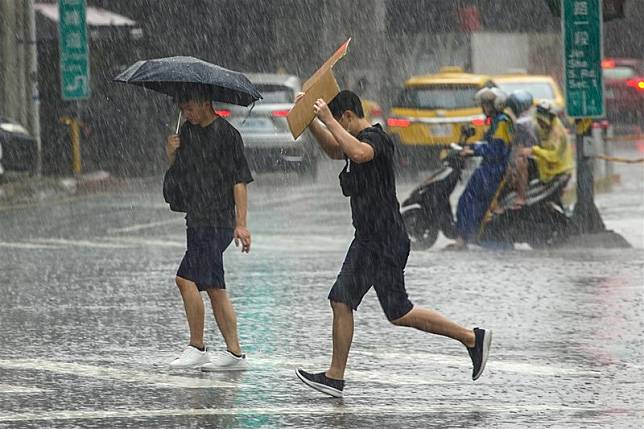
(90, 317)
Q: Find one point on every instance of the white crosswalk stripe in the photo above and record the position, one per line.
(8, 388)
(120, 374)
(314, 410)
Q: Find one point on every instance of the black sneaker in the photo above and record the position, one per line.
(321, 382)
(480, 351)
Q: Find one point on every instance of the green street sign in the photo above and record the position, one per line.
(582, 33)
(74, 50)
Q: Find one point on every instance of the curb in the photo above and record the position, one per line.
(18, 189)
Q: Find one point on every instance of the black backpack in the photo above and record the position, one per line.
(175, 187)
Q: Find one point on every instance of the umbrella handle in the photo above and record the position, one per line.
(178, 123)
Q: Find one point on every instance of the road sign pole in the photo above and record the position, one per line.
(581, 22)
(34, 105)
(586, 215)
(74, 66)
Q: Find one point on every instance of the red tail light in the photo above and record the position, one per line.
(375, 112)
(398, 122)
(478, 122)
(608, 64)
(603, 124)
(280, 113)
(223, 113)
(636, 83)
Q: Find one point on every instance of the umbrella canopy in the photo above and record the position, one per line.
(177, 75)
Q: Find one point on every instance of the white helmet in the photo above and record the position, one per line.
(546, 107)
(546, 111)
(493, 95)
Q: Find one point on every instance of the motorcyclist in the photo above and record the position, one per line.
(484, 182)
(519, 105)
(553, 154)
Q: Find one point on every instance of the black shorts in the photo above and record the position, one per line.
(203, 262)
(380, 264)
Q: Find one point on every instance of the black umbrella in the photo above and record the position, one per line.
(176, 75)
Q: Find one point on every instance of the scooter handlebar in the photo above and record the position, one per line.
(456, 148)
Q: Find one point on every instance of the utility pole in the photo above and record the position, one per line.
(4, 35)
(9, 60)
(34, 104)
(21, 102)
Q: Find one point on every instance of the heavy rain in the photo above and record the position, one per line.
(295, 213)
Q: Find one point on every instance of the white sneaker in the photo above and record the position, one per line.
(191, 357)
(225, 361)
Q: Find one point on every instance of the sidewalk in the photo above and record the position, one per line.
(21, 188)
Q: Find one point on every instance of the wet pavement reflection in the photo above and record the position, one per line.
(90, 317)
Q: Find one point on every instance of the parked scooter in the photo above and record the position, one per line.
(541, 222)
(427, 210)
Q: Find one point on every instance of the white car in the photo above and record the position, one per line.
(17, 147)
(268, 143)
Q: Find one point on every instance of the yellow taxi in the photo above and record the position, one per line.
(541, 87)
(429, 113)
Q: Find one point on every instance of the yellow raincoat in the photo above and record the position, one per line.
(553, 156)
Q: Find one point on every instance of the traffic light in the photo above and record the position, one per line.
(611, 9)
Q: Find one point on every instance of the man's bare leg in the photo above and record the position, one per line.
(226, 318)
(435, 323)
(193, 304)
(342, 338)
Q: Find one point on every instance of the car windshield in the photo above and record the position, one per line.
(618, 73)
(275, 93)
(538, 90)
(438, 97)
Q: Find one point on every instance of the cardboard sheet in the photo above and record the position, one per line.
(321, 84)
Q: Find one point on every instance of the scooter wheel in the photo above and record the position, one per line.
(422, 233)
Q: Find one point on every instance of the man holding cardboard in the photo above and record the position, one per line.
(378, 254)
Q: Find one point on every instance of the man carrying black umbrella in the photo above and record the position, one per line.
(207, 179)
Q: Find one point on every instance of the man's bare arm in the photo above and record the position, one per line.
(241, 233)
(326, 140)
(240, 193)
(323, 136)
(172, 144)
(357, 151)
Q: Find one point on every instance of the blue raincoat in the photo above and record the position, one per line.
(485, 180)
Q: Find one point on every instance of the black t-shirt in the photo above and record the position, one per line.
(372, 189)
(208, 164)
